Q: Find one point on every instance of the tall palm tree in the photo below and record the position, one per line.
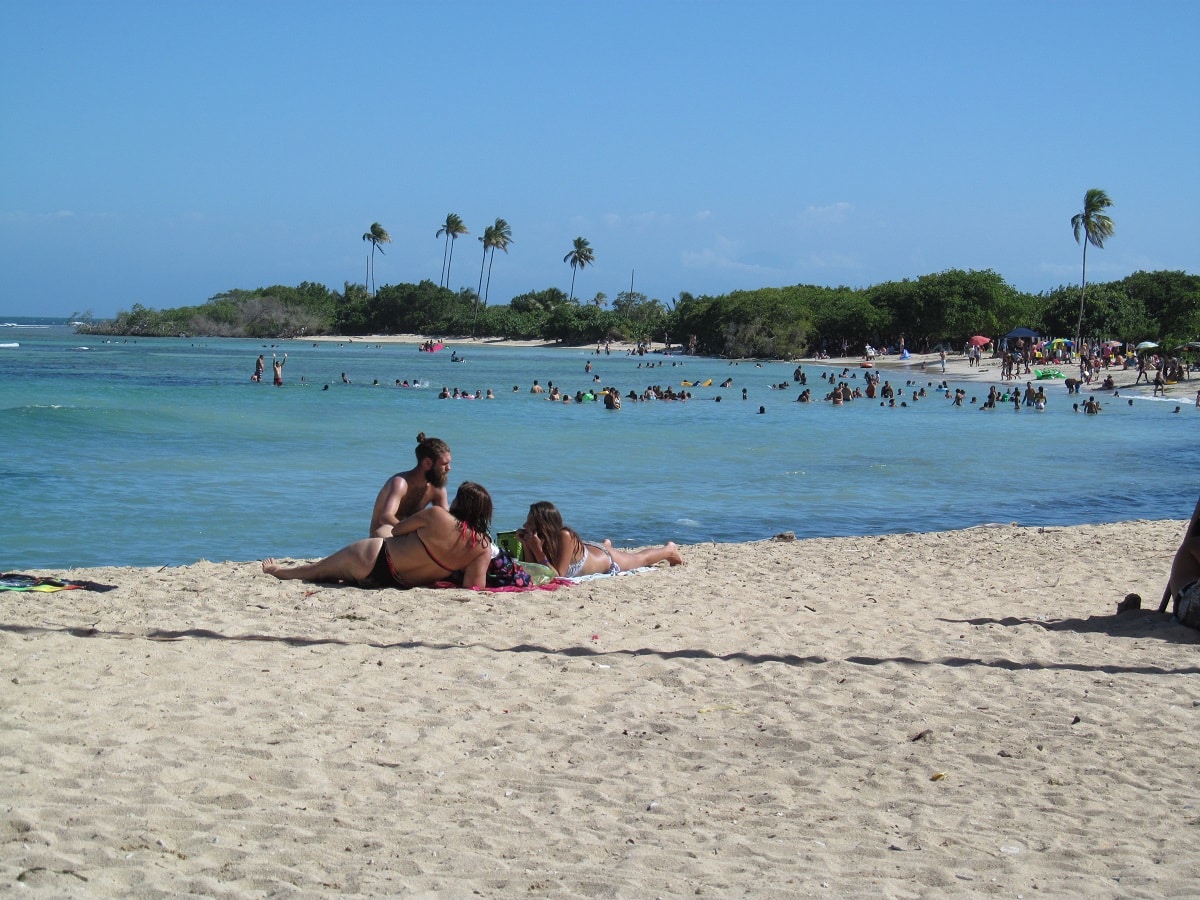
(581, 255)
(451, 230)
(489, 235)
(501, 238)
(376, 236)
(1095, 227)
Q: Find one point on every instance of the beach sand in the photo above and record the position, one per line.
(899, 716)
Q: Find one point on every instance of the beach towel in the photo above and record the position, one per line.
(640, 569)
(553, 585)
(16, 582)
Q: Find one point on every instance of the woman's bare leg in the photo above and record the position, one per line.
(352, 563)
(635, 559)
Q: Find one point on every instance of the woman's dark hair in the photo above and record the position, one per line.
(547, 522)
(472, 506)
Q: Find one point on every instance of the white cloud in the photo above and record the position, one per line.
(839, 261)
(833, 214)
(18, 215)
(722, 256)
(636, 220)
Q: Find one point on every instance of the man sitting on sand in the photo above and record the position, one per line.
(1185, 570)
(406, 493)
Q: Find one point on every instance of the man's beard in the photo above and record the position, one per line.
(436, 477)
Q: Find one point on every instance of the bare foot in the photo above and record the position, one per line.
(270, 567)
(673, 556)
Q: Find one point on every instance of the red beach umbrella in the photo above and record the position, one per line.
(979, 340)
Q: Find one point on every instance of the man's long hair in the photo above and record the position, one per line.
(472, 506)
(430, 448)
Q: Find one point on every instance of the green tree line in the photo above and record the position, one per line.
(944, 308)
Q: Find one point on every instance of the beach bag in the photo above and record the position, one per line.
(504, 571)
(1187, 608)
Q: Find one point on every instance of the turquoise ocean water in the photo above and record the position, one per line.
(162, 451)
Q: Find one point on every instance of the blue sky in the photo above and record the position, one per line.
(159, 153)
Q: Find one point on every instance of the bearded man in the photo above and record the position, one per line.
(407, 493)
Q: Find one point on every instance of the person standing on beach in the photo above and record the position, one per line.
(277, 365)
(407, 493)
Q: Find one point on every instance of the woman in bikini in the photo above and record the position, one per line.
(546, 540)
(424, 548)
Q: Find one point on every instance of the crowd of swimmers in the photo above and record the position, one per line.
(840, 388)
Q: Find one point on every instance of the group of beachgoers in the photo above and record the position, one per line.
(853, 384)
(276, 366)
(420, 537)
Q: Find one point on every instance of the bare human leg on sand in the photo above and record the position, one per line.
(636, 559)
(352, 563)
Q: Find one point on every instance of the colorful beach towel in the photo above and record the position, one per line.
(14, 581)
(513, 589)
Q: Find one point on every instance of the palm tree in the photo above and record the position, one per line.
(497, 235)
(501, 238)
(1096, 227)
(377, 235)
(581, 255)
(489, 235)
(451, 230)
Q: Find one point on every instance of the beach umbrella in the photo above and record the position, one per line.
(979, 340)
(1146, 345)
(1113, 343)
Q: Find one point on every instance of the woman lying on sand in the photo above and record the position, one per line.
(546, 540)
(424, 548)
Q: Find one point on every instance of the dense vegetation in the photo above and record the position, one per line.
(784, 322)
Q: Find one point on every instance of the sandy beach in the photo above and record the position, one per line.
(957, 713)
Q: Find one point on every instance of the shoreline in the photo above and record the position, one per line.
(963, 710)
(99, 574)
